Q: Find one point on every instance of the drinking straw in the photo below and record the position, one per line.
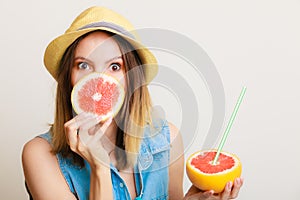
(225, 134)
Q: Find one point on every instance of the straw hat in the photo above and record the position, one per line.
(98, 18)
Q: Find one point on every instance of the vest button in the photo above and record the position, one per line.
(121, 185)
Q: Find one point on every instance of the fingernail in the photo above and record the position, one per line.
(237, 181)
(208, 193)
(229, 185)
(242, 180)
(86, 114)
(98, 118)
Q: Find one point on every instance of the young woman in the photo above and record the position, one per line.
(139, 156)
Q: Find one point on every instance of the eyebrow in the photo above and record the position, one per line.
(112, 59)
(89, 61)
(83, 58)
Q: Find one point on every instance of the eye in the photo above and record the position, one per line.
(115, 67)
(84, 66)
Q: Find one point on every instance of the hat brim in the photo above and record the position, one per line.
(56, 49)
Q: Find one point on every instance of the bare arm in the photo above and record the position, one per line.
(42, 173)
(100, 187)
(93, 152)
(44, 178)
(176, 168)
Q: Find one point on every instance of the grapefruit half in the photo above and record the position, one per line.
(99, 94)
(206, 176)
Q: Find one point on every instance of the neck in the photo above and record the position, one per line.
(111, 132)
(109, 137)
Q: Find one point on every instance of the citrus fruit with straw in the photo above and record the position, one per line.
(99, 94)
(212, 169)
(208, 176)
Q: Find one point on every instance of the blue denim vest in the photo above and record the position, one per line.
(151, 170)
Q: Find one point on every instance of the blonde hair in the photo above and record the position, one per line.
(131, 119)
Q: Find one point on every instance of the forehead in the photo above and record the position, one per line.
(98, 45)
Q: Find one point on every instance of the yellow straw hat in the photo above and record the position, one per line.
(98, 18)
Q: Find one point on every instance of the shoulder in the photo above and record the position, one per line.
(174, 132)
(36, 147)
(42, 172)
(39, 146)
(176, 142)
(176, 167)
(36, 155)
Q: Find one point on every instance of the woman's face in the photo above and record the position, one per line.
(98, 52)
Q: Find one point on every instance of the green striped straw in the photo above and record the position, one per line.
(225, 134)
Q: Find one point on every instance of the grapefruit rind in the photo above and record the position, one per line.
(106, 78)
(216, 181)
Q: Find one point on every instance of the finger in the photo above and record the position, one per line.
(95, 133)
(87, 130)
(71, 128)
(102, 129)
(207, 194)
(227, 191)
(242, 181)
(107, 144)
(71, 136)
(74, 124)
(106, 124)
(77, 118)
(238, 182)
(91, 124)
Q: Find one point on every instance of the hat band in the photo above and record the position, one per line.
(108, 25)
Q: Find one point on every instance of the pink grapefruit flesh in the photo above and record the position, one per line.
(99, 94)
(206, 176)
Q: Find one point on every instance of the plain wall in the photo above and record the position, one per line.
(254, 43)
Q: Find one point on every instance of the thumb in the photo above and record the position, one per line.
(207, 194)
(99, 133)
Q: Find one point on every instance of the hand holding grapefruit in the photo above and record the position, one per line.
(207, 176)
(99, 94)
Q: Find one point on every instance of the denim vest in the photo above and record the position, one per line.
(151, 170)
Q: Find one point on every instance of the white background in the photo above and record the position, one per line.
(254, 43)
